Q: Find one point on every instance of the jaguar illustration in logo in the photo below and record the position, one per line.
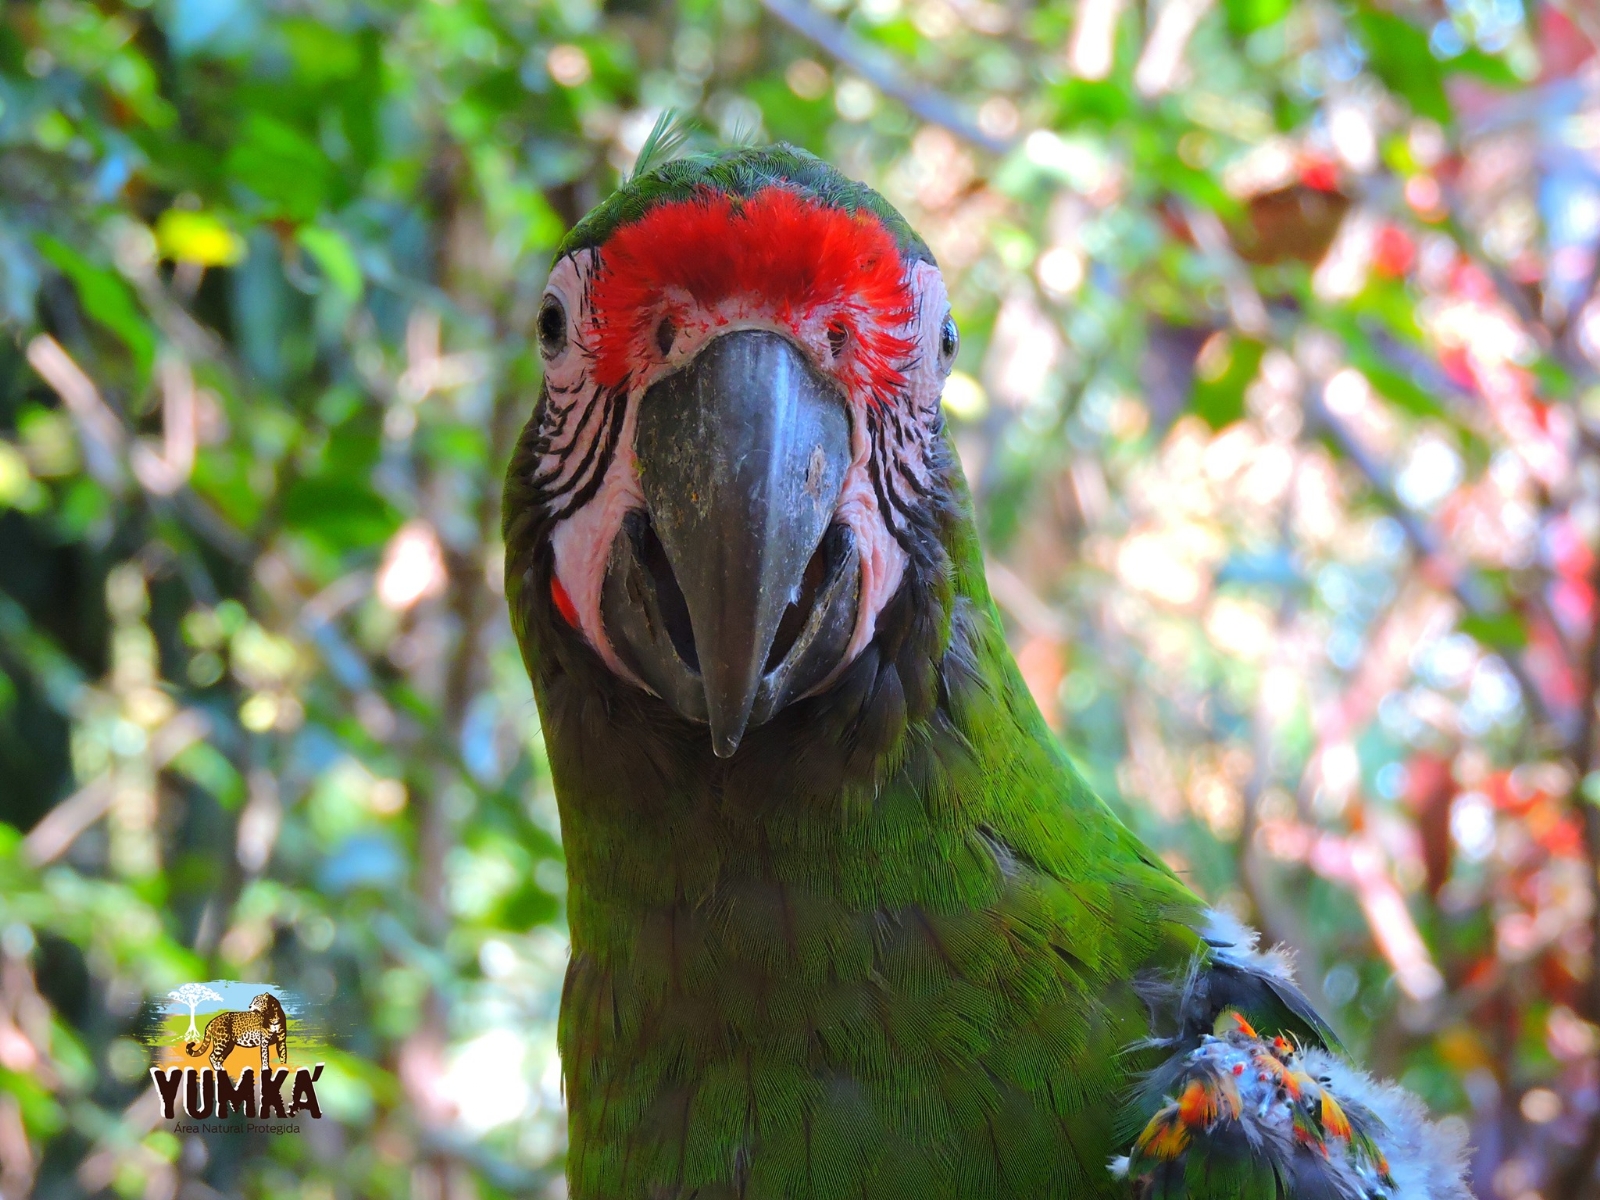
(263, 1024)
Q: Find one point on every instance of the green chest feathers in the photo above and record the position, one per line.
(918, 985)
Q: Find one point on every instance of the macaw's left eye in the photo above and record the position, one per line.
(552, 327)
(838, 339)
(949, 341)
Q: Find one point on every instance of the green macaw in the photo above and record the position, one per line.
(845, 921)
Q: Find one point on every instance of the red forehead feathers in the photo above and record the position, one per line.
(794, 256)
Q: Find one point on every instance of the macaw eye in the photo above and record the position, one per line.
(666, 334)
(838, 339)
(949, 341)
(552, 327)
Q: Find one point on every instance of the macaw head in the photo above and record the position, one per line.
(737, 461)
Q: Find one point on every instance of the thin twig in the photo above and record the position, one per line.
(1280, 923)
(882, 71)
(99, 428)
(65, 823)
(1161, 63)
(106, 441)
(1463, 584)
(1505, 287)
(1245, 306)
(1575, 1178)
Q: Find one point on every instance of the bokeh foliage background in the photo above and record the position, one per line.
(1278, 392)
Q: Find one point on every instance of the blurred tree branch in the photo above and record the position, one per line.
(878, 68)
(1461, 582)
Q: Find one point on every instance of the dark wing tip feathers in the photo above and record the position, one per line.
(1257, 982)
(1242, 1113)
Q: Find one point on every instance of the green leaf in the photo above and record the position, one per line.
(322, 53)
(1490, 68)
(1399, 389)
(41, 1114)
(460, 444)
(527, 907)
(1500, 631)
(334, 255)
(1391, 304)
(1554, 379)
(281, 167)
(1246, 16)
(1218, 400)
(1088, 100)
(788, 117)
(1387, 377)
(343, 512)
(1402, 59)
(224, 479)
(105, 297)
(206, 766)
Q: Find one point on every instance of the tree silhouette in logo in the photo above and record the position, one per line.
(191, 994)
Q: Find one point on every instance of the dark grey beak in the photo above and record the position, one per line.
(734, 592)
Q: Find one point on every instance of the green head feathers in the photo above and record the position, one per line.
(742, 173)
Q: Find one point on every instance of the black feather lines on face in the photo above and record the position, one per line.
(808, 753)
(540, 495)
(576, 488)
(899, 429)
(564, 486)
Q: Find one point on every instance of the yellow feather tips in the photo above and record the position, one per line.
(1231, 1020)
(1334, 1123)
(1165, 1138)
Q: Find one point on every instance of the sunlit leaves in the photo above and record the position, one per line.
(197, 237)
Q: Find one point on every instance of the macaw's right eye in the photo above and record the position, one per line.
(949, 341)
(838, 339)
(552, 327)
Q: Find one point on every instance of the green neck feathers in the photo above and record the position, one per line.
(895, 926)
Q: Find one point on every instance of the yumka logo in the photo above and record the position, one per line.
(234, 1057)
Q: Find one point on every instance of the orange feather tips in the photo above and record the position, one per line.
(1240, 1093)
(1163, 1139)
(1232, 1021)
(1195, 1106)
(1334, 1122)
(1205, 1101)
